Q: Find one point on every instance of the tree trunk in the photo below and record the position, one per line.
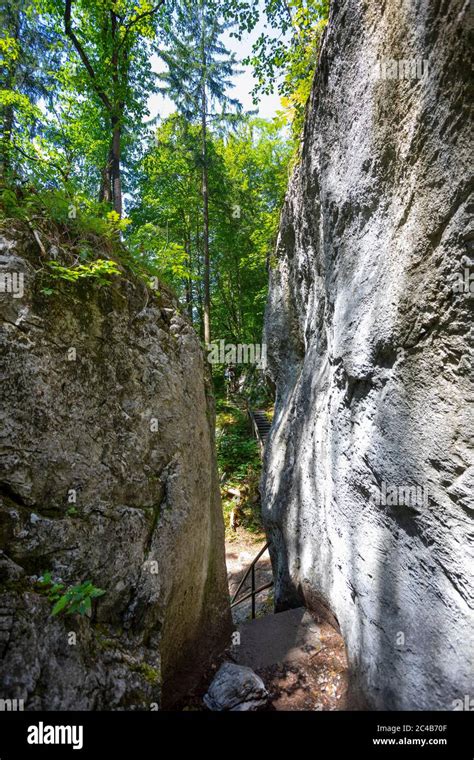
(116, 119)
(188, 283)
(198, 288)
(205, 212)
(115, 169)
(105, 192)
(114, 106)
(12, 28)
(7, 128)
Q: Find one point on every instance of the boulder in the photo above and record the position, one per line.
(109, 476)
(236, 688)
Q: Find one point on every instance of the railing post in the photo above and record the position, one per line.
(253, 592)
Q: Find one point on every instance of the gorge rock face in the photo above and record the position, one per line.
(108, 475)
(367, 331)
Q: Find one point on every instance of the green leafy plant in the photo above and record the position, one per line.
(77, 599)
(116, 223)
(9, 204)
(99, 270)
(74, 600)
(51, 588)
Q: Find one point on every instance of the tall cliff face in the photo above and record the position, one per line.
(108, 475)
(367, 331)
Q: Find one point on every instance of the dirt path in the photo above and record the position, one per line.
(320, 681)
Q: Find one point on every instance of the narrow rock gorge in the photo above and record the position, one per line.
(108, 475)
(367, 329)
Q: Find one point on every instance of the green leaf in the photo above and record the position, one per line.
(60, 605)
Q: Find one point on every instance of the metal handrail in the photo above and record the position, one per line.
(252, 594)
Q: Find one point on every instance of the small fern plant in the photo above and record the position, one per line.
(74, 600)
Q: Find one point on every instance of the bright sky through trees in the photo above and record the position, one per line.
(268, 105)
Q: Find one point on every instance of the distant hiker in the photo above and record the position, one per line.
(229, 378)
(227, 381)
(236, 507)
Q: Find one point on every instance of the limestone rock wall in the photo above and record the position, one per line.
(108, 475)
(368, 332)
